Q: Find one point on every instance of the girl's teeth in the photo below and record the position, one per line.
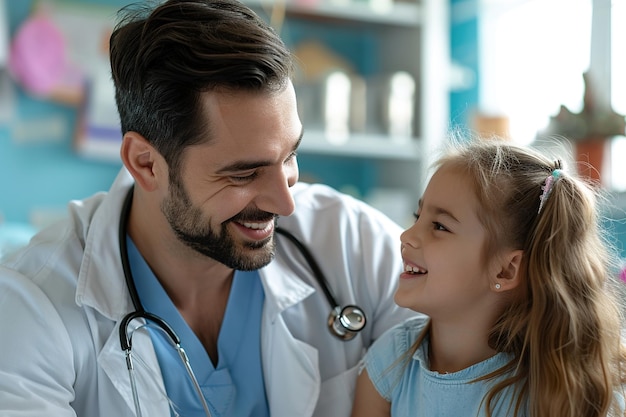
(413, 270)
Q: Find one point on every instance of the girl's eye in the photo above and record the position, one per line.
(416, 216)
(440, 227)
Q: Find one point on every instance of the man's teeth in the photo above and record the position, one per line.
(414, 270)
(256, 225)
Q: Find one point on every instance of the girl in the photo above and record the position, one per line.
(507, 261)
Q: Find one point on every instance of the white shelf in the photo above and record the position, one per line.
(359, 146)
(362, 146)
(99, 150)
(388, 12)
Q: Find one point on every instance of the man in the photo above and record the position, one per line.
(187, 232)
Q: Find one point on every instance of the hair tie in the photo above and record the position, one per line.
(547, 186)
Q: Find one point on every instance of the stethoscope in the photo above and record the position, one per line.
(343, 322)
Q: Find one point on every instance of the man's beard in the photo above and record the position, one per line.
(191, 228)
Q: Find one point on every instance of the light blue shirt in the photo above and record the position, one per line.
(235, 387)
(414, 390)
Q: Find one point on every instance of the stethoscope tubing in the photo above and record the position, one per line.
(140, 312)
(123, 228)
(126, 343)
(317, 271)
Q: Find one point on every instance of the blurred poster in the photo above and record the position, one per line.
(60, 53)
(87, 29)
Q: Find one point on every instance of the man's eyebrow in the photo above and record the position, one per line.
(246, 165)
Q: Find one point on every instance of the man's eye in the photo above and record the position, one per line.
(241, 178)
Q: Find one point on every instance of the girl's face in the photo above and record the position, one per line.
(444, 274)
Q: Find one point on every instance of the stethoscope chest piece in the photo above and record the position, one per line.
(343, 322)
(346, 322)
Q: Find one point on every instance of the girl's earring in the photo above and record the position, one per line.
(497, 286)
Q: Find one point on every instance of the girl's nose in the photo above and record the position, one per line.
(410, 237)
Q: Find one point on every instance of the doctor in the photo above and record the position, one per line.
(187, 232)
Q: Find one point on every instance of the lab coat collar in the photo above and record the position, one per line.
(282, 288)
(101, 282)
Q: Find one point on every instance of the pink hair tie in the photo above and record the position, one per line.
(547, 187)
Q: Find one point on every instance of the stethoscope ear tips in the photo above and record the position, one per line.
(346, 322)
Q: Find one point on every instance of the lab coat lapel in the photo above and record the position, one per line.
(146, 369)
(291, 370)
(292, 378)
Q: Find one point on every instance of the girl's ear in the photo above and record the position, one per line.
(508, 276)
(141, 159)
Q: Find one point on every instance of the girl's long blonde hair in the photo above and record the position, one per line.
(563, 324)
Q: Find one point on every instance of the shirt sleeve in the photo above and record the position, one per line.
(387, 358)
(37, 370)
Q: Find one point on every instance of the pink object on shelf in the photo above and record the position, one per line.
(38, 55)
(622, 275)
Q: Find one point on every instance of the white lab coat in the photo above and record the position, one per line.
(62, 297)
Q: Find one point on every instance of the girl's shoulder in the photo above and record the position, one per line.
(407, 331)
(415, 324)
(385, 358)
(399, 339)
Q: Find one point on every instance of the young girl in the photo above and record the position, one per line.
(507, 261)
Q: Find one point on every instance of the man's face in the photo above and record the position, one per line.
(224, 201)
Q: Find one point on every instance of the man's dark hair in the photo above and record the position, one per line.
(164, 57)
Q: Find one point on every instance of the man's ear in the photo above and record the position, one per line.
(508, 276)
(141, 159)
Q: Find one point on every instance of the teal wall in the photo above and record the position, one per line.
(464, 52)
(46, 173)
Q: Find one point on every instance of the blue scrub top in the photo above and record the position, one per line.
(235, 387)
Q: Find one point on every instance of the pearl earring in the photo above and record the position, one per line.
(497, 286)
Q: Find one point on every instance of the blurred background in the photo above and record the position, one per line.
(381, 85)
